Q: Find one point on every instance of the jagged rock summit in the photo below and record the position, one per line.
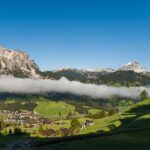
(17, 64)
(134, 66)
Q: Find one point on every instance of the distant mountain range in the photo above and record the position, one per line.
(19, 64)
(132, 66)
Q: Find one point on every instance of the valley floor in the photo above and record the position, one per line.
(127, 131)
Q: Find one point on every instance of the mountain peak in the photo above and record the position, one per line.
(17, 63)
(62, 69)
(134, 63)
(98, 69)
(134, 66)
(131, 66)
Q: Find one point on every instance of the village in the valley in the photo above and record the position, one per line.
(31, 120)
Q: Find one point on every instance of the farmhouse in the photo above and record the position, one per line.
(87, 123)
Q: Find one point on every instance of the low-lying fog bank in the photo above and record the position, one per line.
(17, 85)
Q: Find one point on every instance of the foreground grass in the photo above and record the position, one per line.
(4, 140)
(125, 141)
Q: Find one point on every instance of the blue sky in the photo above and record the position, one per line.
(78, 33)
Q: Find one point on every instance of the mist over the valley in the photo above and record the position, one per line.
(30, 86)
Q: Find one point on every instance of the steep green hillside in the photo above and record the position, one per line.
(140, 116)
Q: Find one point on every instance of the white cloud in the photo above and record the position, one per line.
(16, 85)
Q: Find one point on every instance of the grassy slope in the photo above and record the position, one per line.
(141, 116)
(94, 111)
(102, 124)
(137, 117)
(52, 109)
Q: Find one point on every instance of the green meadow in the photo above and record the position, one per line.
(53, 109)
(129, 129)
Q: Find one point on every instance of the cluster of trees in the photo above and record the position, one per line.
(75, 126)
(144, 95)
(70, 115)
(80, 109)
(102, 114)
(15, 131)
(17, 105)
(74, 129)
(2, 125)
(98, 115)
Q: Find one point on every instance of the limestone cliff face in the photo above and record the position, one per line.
(134, 66)
(17, 64)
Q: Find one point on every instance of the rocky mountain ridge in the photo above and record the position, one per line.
(132, 66)
(18, 64)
